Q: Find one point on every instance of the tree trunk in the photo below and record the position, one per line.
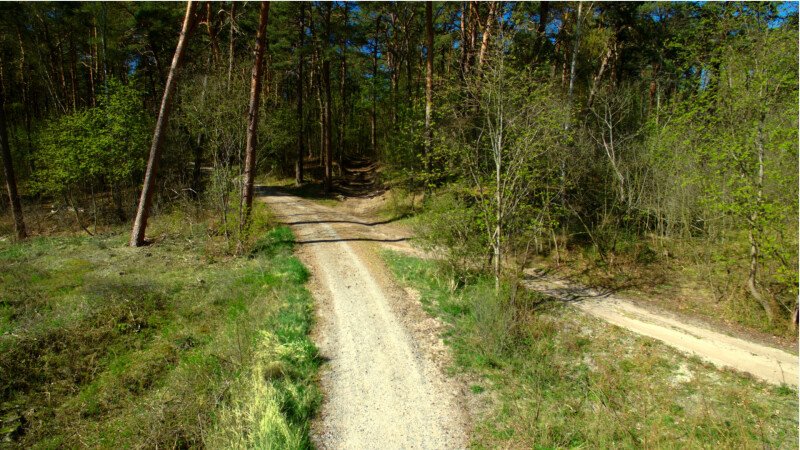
(342, 91)
(252, 115)
(146, 198)
(211, 27)
(541, 30)
(472, 26)
(373, 113)
(753, 223)
(575, 47)
(462, 62)
(326, 85)
(393, 61)
(8, 169)
(298, 166)
(231, 43)
(596, 80)
(428, 84)
(499, 201)
(92, 90)
(487, 33)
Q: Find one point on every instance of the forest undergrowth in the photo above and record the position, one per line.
(682, 275)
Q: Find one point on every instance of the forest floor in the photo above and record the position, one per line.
(385, 378)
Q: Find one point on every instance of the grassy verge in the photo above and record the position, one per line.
(172, 345)
(552, 377)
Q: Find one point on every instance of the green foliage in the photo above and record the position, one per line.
(452, 224)
(93, 147)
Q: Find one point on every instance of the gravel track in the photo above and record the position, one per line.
(383, 382)
(767, 363)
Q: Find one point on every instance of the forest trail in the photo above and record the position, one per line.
(384, 383)
(767, 363)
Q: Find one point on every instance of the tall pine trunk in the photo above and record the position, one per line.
(372, 113)
(326, 85)
(298, 166)
(428, 84)
(342, 91)
(252, 115)
(326, 138)
(231, 43)
(487, 33)
(148, 187)
(8, 169)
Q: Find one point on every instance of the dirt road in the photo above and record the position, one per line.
(384, 386)
(767, 363)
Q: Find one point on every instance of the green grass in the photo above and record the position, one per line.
(550, 377)
(171, 345)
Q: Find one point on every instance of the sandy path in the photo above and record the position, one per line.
(384, 386)
(767, 363)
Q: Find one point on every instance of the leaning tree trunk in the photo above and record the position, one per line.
(8, 169)
(301, 151)
(487, 34)
(146, 198)
(252, 116)
(428, 84)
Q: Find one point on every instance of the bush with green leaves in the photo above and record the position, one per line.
(95, 148)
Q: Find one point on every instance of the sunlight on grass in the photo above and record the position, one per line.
(102, 345)
(552, 377)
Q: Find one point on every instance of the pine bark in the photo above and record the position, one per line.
(252, 116)
(487, 34)
(428, 83)
(231, 42)
(326, 86)
(148, 187)
(298, 167)
(575, 47)
(342, 90)
(373, 113)
(8, 169)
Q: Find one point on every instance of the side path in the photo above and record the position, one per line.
(764, 362)
(384, 386)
